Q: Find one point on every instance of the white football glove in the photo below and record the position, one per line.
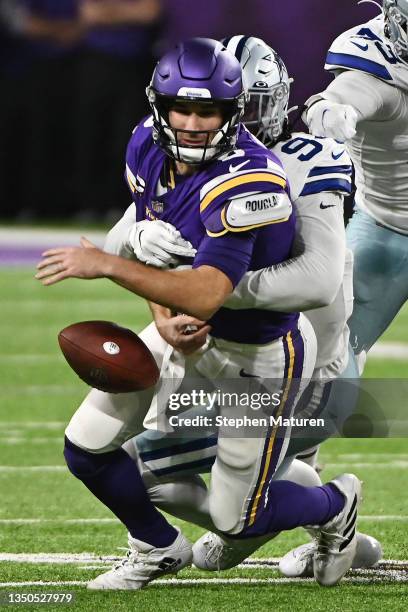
(158, 243)
(332, 120)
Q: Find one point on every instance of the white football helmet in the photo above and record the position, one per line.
(396, 26)
(266, 79)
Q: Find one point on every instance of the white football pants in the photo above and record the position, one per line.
(244, 465)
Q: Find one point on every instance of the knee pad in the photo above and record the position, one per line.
(301, 473)
(94, 430)
(104, 421)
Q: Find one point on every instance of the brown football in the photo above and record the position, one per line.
(108, 357)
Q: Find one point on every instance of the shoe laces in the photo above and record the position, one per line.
(327, 541)
(217, 549)
(132, 558)
(305, 553)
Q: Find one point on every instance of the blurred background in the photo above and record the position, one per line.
(73, 75)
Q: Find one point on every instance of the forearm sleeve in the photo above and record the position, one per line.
(116, 241)
(311, 279)
(368, 95)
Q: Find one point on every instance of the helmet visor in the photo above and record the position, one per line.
(195, 146)
(266, 112)
(397, 30)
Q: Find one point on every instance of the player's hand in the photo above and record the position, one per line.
(86, 261)
(158, 243)
(178, 332)
(332, 120)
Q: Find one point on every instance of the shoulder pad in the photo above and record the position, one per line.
(314, 165)
(143, 129)
(139, 141)
(364, 49)
(242, 179)
(240, 184)
(249, 212)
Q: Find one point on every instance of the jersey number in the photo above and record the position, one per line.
(385, 49)
(310, 147)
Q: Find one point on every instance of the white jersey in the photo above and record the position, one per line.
(375, 82)
(331, 329)
(319, 172)
(315, 166)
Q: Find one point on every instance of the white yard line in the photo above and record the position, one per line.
(32, 468)
(43, 237)
(391, 575)
(385, 465)
(382, 517)
(44, 583)
(77, 521)
(386, 570)
(375, 456)
(383, 564)
(38, 389)
(397, 576)
(97, 521)
(86, 557)
(33, 424)
(389, 350)
(57, 558)
(377, 570)
(33, 358)
(28, 440)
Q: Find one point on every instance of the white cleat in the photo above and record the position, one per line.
(143, 563)
(368, 552)
(213, 553)
(298, 563)
(337, 539)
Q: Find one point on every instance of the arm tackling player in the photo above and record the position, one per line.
(227, 195)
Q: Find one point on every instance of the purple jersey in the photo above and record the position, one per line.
(235, 211)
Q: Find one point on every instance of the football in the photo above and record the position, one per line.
(108, 357)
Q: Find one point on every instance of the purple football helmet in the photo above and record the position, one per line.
(197, 70)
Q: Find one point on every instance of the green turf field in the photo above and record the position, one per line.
(45, 510)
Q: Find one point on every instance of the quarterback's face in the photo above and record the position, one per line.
(197, 119)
